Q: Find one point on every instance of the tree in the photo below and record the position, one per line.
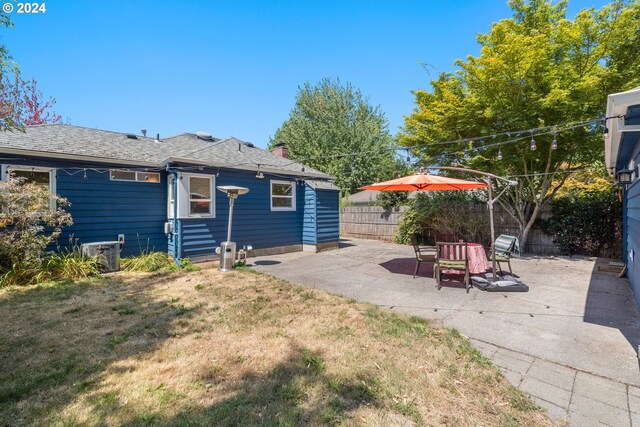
(330, 120)
(535, 69)
(21, 102)
(25, 103)
(6, 67)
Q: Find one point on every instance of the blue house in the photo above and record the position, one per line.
(160, 194)
(622, 159)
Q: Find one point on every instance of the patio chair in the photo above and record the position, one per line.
(423, 253)
(451, 256)
(446, 237)
(505, 246)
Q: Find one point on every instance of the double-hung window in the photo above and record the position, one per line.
(201, 197)
(283, 195)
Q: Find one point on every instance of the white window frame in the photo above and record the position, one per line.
(292, 197)
(136, 175)
(186, 205)
(170, 207)
(6, 169)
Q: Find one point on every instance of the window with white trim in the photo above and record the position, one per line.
(283, 195)
(201, 196)
(45, 177)
(127, 175)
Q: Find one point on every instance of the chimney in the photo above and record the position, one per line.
(281, 150)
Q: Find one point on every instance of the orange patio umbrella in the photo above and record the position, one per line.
(426, 182)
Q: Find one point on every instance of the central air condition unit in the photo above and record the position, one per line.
(107, 253)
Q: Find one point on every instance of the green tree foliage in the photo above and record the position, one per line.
(535, 69)
(454, 212)
(329, 120)
(28, 225)
(392, 199)
(7, 67)
(587, 221)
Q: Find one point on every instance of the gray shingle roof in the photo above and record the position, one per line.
(60, 140)
(322, 185)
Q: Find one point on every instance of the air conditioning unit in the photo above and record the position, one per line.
(108, 254)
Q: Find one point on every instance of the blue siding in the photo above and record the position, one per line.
(101, 209)
(253, 221)
(309, 227)
(632, 236)
(327, 213)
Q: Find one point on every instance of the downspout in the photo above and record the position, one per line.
(174, 229)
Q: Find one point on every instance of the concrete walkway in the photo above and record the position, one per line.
(570, 342)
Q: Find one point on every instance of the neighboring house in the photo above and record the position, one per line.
(369, 198)
(622, 158)
(161, 194)
(362, 198)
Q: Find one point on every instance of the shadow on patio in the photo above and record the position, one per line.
(611, 303)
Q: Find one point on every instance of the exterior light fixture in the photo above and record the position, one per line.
(533, 143)
(499, 154)
(554, 144)
(259, 175)
(624, 176)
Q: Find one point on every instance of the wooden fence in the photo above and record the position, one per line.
(370, 222)
(376, 222)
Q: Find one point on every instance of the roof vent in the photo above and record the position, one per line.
(132, 136)
(204, 136)
(249, 144)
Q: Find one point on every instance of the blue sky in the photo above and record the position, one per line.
(233, 67)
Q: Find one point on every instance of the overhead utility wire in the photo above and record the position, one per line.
(527, 134)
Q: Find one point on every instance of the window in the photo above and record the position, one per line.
(126, 175)
(44, 177)
(195, 196)
(283, 196)
(171, 184)
(200, 195)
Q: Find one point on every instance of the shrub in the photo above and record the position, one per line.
(446, 212)
(149, 262)
(53, 266)
(28, 224)
(586, 221)
(154, 261)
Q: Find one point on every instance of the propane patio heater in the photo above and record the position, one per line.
(228, 248)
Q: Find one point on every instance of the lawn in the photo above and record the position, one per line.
(206, 348)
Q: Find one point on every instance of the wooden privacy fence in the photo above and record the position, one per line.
(370, 222)
(376, 222)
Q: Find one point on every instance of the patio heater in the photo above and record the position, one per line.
(228, 248)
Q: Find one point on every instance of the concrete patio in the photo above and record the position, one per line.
(570, 342)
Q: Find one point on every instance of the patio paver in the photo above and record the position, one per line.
(570, 342)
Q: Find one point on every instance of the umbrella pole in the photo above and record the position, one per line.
(493, 230)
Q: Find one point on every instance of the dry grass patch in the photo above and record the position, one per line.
(203, 348)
